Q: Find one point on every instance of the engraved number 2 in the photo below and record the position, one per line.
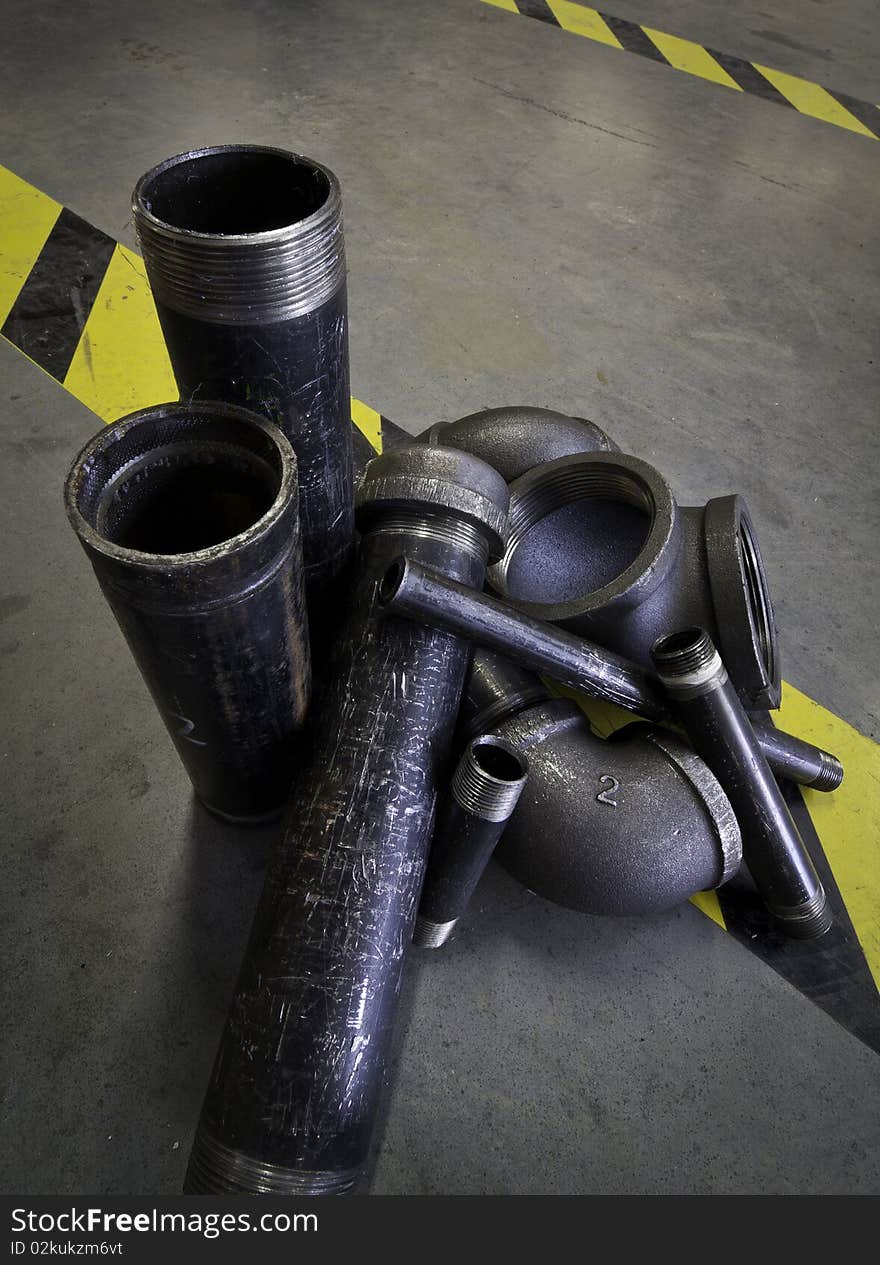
(609, 785)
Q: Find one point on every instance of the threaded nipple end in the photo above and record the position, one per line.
(830, 774)
(489, 778)
(241, 234)
(687, 658)
(431, 935)
(807, 921)
(216, 1169)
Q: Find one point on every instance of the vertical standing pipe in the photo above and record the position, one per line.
(244, 251)
(691, 669)
(188, 515)
(486, 786)
(295, 1086)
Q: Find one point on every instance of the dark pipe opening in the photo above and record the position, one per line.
(235, 191)
(683, 652)
(391, 580)
(575, 532)
(498, 762)
(177, 483)
(674, 643)
(756, 590)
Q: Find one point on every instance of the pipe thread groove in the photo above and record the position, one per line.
(460, 533)
(242, 276)
(216, 1169)
(431, 935)
(807, 921)
(489, 778)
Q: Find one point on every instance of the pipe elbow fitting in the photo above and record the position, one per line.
(599, 545)
(515, 438)
(633, 825)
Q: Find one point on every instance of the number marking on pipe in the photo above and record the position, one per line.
(609, 786)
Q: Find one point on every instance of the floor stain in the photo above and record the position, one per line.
(13, 604)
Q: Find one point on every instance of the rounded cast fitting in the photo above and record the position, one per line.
(634, 825)
(515, 438)
(598, 545)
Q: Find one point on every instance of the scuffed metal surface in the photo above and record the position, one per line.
(300, 1066)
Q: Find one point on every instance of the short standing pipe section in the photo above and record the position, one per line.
(694, 675)
(294, 1090)
(188, 515)
(413, 590)
(485, 790)
(244, 251)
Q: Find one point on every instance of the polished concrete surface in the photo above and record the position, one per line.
(530, 218)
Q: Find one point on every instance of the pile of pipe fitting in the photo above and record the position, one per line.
(511, 548)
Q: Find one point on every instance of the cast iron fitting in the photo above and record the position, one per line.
(486, 786)
(414, 591)
(635, 825)
(188, 514)
(295, 1087)
(516, 438)
(713, 717)
(244, 251)
(599, 545)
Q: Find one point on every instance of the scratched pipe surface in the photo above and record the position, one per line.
(412, 590)
(244, 250)
(188, 515)
(295, 1086)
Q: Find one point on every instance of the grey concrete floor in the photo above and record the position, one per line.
(530, 218)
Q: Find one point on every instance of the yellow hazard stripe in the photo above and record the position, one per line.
(847, 820)
(27, 217)
(695, 59)
(692, 58)
(813, 99)
(582, 20)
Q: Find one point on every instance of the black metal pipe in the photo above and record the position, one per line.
(632, 825)
(412, 590)
(295, 1086)
(515, 438)
(188, 515)
(599, 545)
(244, 251)
(697, 681)
(485, 788)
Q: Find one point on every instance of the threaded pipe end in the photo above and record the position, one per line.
(241, 234)
(489, 778)
(807, 921)
(687, 659)
(431, 935)
(216, 1169)
(830, 774)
